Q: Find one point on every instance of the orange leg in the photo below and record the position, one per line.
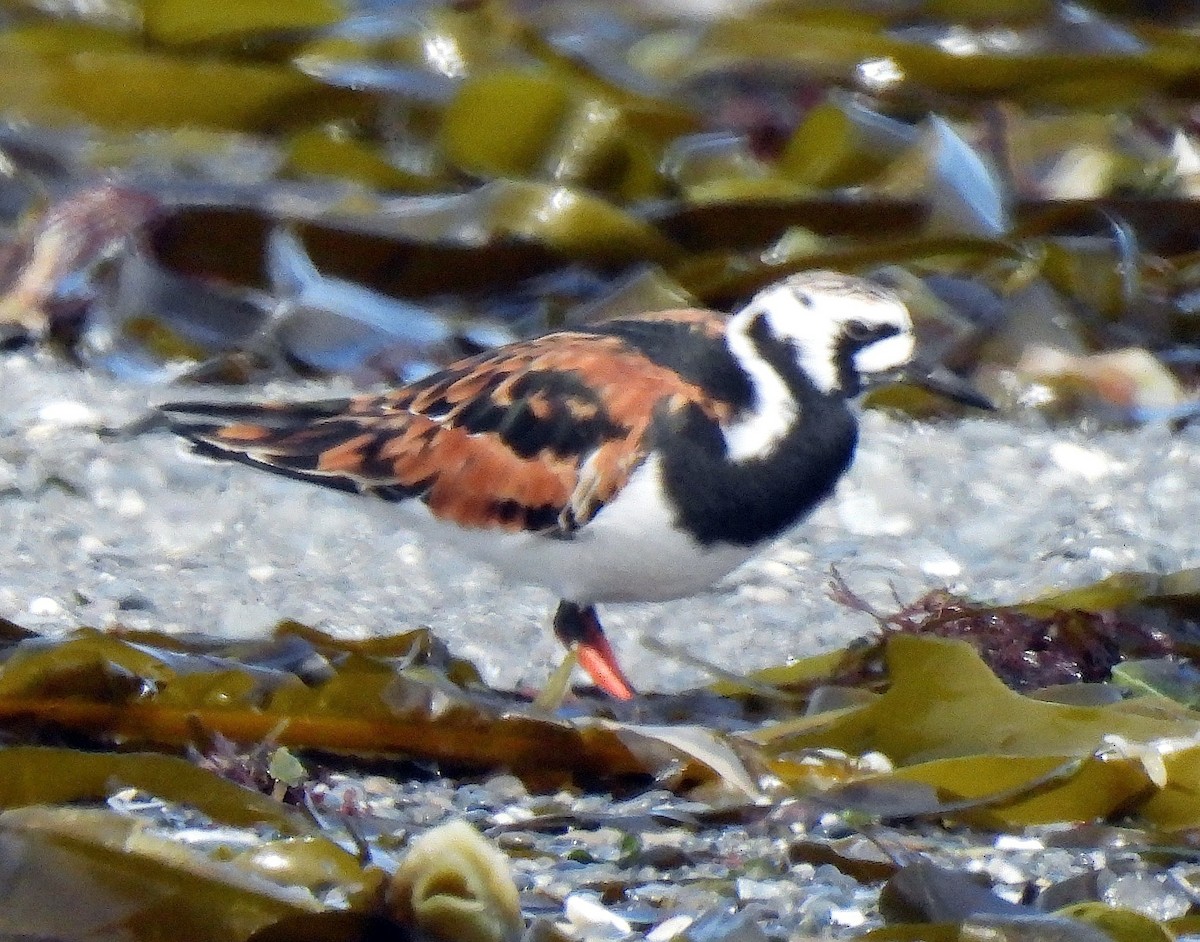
(579, 627)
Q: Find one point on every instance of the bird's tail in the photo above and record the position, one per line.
(199, 420)
(284, 438)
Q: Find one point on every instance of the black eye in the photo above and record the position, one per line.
(862, 333)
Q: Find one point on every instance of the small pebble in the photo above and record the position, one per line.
(66, 413)
(1088, 463)
(669, 929)
(941, 566)
(589, 919)
(45, 607)
(130, 504)
(1152, 895)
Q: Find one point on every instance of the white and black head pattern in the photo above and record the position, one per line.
(843, 329)
(821, 331)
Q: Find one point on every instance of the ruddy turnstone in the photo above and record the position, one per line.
(639, 459)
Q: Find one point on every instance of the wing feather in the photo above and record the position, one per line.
(535, 436)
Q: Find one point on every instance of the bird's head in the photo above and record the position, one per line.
(848, 334)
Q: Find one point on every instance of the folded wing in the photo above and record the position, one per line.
(535, 436)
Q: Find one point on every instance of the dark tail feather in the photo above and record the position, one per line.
(287, 439)
(202, 418)
(283, 438)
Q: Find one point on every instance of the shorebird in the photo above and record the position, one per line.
(639, 459)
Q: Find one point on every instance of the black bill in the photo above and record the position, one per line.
(941, 381)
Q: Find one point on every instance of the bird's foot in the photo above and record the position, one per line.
(579, 628)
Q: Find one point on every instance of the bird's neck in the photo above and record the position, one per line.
(752, 477)
(782, 379)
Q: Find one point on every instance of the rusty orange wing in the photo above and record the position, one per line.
(535, 436)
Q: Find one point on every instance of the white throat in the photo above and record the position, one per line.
(773, 411)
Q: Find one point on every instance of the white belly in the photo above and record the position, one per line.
(630, 552)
